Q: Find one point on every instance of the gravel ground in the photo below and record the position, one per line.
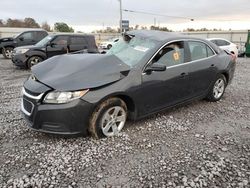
(199, 145)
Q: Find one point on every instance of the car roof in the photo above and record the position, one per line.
(36, 29)
(162, 36)
(217, 39)
(71, 34)
(155, 35)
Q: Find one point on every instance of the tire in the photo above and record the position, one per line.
(7, 52)
(33, 61)
(108, 119)
(109, 46)
(217, 90)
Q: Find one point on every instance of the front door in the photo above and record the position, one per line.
(58, 46)
(167, 88)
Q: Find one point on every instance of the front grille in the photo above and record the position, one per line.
(28, 106)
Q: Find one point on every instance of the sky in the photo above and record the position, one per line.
(89, 15)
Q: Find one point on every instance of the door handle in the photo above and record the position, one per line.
(183, 75)
(212, 65)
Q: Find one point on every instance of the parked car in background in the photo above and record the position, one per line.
(108, 44)
(23, 39)
(143, 73)
(225, 45)
(52, 45)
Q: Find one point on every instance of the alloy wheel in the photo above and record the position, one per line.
(219, 88)
(8, 53)
(113, 121)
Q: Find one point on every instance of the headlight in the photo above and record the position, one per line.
(57, 97)
(21, 51)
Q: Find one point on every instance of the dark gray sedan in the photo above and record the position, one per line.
(143, 73)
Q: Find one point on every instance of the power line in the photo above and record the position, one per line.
(155, 14)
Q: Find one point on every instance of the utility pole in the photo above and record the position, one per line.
(120, 15)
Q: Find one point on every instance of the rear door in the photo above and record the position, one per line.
(202, 67)
(58, 46)
(77, 43)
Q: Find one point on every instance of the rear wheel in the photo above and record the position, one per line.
(109, 118)
(109, 46)
(7, 52)
(218, 89)
(33, 61)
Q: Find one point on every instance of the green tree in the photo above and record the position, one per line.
(63, 27)
(30, 23)
(1, 23)
(14, 23)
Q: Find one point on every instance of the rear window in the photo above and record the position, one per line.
(222, 43)
(41, 34)
(78, 40)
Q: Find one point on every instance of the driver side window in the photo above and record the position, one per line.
(60, 40)
(27, 36)
(171, 55)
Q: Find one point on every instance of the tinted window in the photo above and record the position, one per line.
(199, 50)
(78, 41)
(170, 55)
(40, 35)
(214, 41)
(28, 35)
(60, 40)
(209, 52)
(222, 43)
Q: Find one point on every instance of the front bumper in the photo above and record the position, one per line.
(70, 118)
(20, 60)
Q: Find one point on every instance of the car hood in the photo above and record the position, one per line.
(6, 39)
(28, 47)
(80, 71)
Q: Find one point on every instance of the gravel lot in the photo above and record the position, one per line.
(199, 145)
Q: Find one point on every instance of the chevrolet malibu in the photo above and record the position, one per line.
(144, 73)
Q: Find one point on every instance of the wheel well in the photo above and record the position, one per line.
(33, 56)
(226, 76)
(7, 47)
(129, 103)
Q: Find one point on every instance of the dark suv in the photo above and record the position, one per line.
(52, 45)
(23, 39)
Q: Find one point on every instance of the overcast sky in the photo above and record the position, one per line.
(93, 14)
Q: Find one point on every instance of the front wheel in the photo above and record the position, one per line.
(109, 118)
(33, 61)
(7, 52)
(218, 89)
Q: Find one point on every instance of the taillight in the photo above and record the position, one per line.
(233, 56)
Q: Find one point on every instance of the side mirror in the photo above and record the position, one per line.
(155, 67)
(21, 38)
(51, 44)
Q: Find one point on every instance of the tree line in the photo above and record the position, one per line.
(32, 23)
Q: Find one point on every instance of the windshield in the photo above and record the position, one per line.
(133, 50)
(44, 41)
(17, 35)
